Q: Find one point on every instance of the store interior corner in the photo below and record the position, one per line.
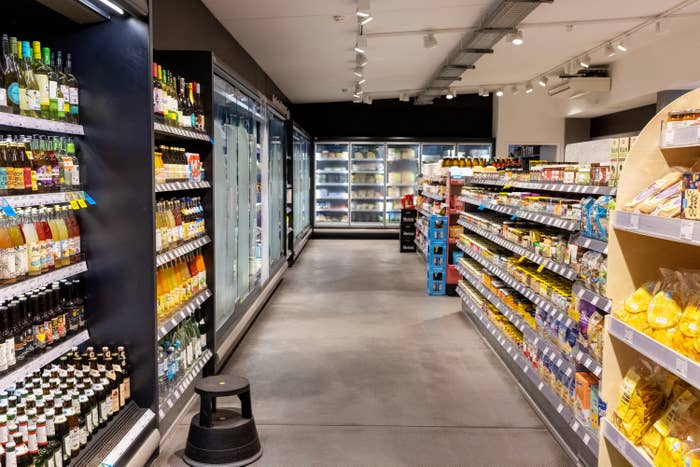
(349, 232)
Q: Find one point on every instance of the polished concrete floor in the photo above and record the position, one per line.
(352, 364)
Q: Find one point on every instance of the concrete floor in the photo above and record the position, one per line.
(352, 364)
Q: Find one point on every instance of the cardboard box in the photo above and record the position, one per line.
(583, 382)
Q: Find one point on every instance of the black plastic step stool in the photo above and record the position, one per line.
(224, 437)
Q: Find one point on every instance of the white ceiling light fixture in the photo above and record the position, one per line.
(528, 88)
(364, 21)
(358, 72)
(451, 93)
(543, 81)
(403, 97)
(516, 38)
(361, 60)
(499, 92)
(429, 40)
(362, 81)
(621, 47)
(610, 50)
(515, 89)
(112, 6)
(483, 92)
(585, 61)
(362, 9)
(361, 45)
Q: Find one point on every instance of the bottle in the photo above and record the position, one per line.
(80, 303)
(125, 389)
(21, 264)
(200, 110)
(157, 94)
(188, 115)
(184, 115)
(5, 66)
(72, 90)
(162, 374)
(72, 309)
(54, 86)
(7, 337)
(7, 254)
(11, 73)
(74, 182)
(28, 174)
(33, 246)
(37, 325)
(41, 73)
(28, 86)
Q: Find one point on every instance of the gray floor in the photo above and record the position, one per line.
(352, 364)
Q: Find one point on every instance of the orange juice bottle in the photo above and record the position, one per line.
(160, 292)
(202, 270)
(7, 254)
(20, 250)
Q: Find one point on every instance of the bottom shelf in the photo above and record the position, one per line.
(184, 383)
(624, 446)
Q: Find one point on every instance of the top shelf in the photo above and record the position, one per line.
(40, 124)
(569, 188)
(181, 133)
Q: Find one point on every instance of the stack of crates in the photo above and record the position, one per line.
(407, 234)
(437, 255)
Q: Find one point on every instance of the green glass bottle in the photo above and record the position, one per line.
(54, 84)
(73, 91)
(62, 92)
(29, 103)
(41, 74)
(11, 74)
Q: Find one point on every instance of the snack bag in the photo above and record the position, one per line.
(674, 176)
(662, 427)
(681, 446)
(635, 307)
(640, 400)
(595, 335)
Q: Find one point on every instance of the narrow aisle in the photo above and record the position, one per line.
(351, 363)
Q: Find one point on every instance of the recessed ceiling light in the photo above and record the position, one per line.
(543, 81)
(483, 92)
(358, 72)
(499, 92)
(362, 81)
(621, 47)
(516, 38)
(429, 40)
(528, 88)
(361, 60)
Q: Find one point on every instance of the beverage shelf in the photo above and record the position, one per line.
(43, 359)
(37, 199)
(181, 250)
(180, 186)
(561, 269)
(546, 219)
(182, 313)
(184, 383)
(366, 184)
(629, 451)
(590, 440)
(345, 198)
(40, 124)
(601, 246)
(331, 184)
(371, 198)
(321, 159)
(10, 291)
(420, 248)
(675, 230)
(585, 359)
(678, 364)
(545, 186)
(502, 274)
(118, 439)
(375, 172)
(401, 185)
(367, 160)
(591, 297)
(320, 209)
(173, 131)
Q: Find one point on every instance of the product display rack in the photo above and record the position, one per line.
(640, 245)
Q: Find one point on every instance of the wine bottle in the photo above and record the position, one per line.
(73, 90)
(11, 74)
(29, 99)
(41, 73)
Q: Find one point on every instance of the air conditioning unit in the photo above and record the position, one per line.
(579, 86)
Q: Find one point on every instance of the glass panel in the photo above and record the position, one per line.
(302, 184)
(401, 177)
(276, 187)
(256, 235)
(367, 184)
(436, 152)
(227, 130)
(474, 151)
(332, 184)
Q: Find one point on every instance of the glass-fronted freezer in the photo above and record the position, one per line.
(401, 177)
(435, 152)
(367, 184)
(474, 151)
(301, 184)
(332, 188)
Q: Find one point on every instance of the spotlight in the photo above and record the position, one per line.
(429, 40)
(610, 50)
(543, 81)
(361, 45)
(362, 81)
(362, 9)
(515, 89)
(358, 72)
(499, 92)
(113, 7)
(483, 92)
(516, 38)
(528, 88)
(585, 61)
(450, 94)
(366, 20)
(403, 97)
(621, 47)
(361, 60)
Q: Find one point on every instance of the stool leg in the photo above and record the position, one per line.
(246, 408)
(205, 411)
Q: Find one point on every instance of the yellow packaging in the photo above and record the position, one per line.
(640, 400)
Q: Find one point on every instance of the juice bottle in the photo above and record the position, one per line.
(172, 287)
(56, 236)
(73, 234)
(20, 250)
(33, 246)
(51, 242)
(62, 235)
(202, 270)
(161, 287)
(7, 254)
(186, 279)
(172, 225)
(39, 226)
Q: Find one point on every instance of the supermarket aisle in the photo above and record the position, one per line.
(352, 364)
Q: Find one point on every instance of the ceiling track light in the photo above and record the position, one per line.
(621, 47)
(516, 38)
(585, 61)
(543, 81)
(429, 40)
(366, 20)
(361, 45)
(515, 89)
(451, 93)
(361, 60)
(528, 88)
(358, 72)
(610, 50)
(362, 81)
(499, 92)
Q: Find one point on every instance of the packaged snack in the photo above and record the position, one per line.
(670, 208)
(658, 186)
(583, 381)
(595, 403)
(640, 400)
(649, 205)
(690, 203)
(595, 335)
(661, 429)
(635, 307)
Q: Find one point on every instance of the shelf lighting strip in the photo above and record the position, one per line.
(185, 383)
(181, 132)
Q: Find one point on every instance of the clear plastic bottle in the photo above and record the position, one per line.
(162, 374)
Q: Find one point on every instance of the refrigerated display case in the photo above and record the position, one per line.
(480, 151)
(332, 184)
(277, 147)
(401, 177)
(435, 152)
(301, 182)
(367, 184)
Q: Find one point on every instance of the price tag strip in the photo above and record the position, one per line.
(602, 303)
(630, 452)
(10, 291)
(545, 219)
(183, 313)
(180, 186)
(181, 132)
(185, 383)
(182, 250)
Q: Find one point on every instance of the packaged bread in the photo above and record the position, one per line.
(669, 208)
(650, 204)
(640, 401)
(671, 178)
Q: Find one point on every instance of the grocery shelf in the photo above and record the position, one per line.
(37, 199)
(629, 451)
(182, 313)
(375, 172)
(331, 223)
(585, 359)
(338, 172)
(420, 248)
(367, 210)
(546, 186)
(181, 250)
(321, 159)
(591, 297)
(546, 219)
(12, 290)
(601, 246)
(675, 230)
(366, 184)
(331, 209)
(135, 427)
(401, 185)
(344, 198)
(43, 359)
(185, 383)
(590, 440)
(367, 160)
(502, 274)
(180, 186)
(40, 124)
(423, 211)
(561, 269)
(678, 364)
(490, 181)
(420, 228)
(680, 137)
(173, 131)
(373, 198)
(434, 196)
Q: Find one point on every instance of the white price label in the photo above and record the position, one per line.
(682, 367)
(687, 229)
(595, 300)
(526, 369)
(540, 386)
(598, 371)
(559, 362)
(634, 221)
(568, 371)
(579, 355)
(560, 407)
(628, 335)
(575, 426)
(588, 362)
(586, 439)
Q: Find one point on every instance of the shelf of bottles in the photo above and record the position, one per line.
(367, 183)
(180, 384)
(401, 177)
(431, 153)
(332, 201)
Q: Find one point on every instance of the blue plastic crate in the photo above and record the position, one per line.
(436, 283)
(437, 223)
(437, 257)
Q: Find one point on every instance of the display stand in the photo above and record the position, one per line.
(640, 245)
(407, 232)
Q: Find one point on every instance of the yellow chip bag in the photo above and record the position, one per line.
(664, 310)
(640, 401)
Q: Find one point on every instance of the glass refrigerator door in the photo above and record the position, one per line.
(475, 152)
(301, 184)
(367, 184)
(431, 153)
(401, 177)
(276, 187)
(332, 185)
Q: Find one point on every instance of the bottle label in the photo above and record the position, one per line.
(65, 248)
(3, 433)
(33, 99)
(115, 400)
(27, 177)
(21, 262)
(42, 254)
(3, 357)
(95, 417)
(10, 352)
(43, 82)
(83, 435)
(32, 443)
(3, 178)
(3, 97)
(34, 257)
(41, 435)
(73, 95)
(157, 106)
(74, 439)
(50, 462)
(23, 101)
(88, 423)
(50, 427)
(7, 263)
(58, 458)
(67, 444)
(10, 459)
(53, 90)
(61, 105)
(13, 93)
(75, 176)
